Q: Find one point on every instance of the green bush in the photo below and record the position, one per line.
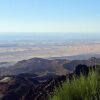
(82, 88)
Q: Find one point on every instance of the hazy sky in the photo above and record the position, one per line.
(50, 16)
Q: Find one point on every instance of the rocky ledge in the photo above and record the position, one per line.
(23, 87)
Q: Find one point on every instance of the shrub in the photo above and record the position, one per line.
(82, 88)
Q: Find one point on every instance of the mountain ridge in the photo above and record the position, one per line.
(42, 66)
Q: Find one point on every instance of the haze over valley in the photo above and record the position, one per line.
(16, 50)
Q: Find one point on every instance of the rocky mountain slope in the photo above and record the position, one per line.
(43, 67)
(25, 87)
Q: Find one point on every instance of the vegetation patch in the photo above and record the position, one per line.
(80, 88)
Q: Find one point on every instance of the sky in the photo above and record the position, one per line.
(68, 16)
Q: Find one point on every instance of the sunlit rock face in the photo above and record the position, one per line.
(5, 79)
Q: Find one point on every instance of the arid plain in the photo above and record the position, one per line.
(10, 52)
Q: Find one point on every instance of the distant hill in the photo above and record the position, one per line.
(36, 65)
(6, 64)
(42, 67)
(78, 57)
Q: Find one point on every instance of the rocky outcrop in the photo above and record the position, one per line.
(15, 87)
(24, 87)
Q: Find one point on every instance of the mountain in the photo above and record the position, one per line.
(24, 87)
(41, 67)
(36, 65)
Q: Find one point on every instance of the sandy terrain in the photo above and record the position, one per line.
(27, 51)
